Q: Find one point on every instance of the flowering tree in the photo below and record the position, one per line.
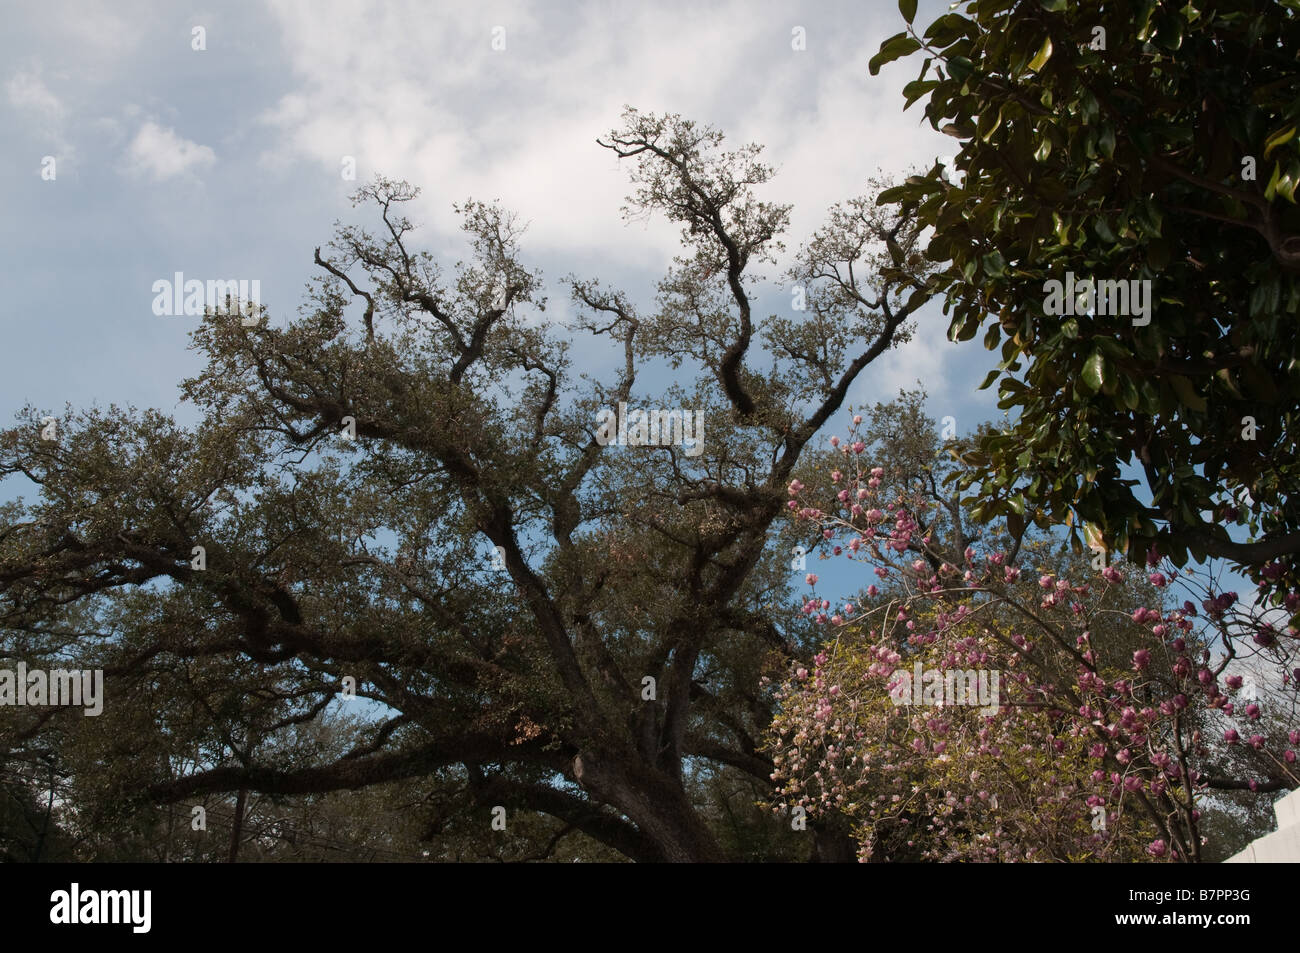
(967, 708)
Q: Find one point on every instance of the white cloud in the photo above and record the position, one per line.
(27, 91)
(162, 154)
(427, 99)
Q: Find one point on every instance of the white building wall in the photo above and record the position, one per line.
(1283, 845)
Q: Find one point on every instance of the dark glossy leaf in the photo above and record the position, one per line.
(1095, 371)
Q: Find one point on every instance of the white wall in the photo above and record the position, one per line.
(1283, 845)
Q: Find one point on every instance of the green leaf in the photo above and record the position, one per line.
(959, 67)
(945, 30)
(1286, 185)
(908, 9)
(1271, 189)
(896, 47)
(1053, 6)
(964, 330)
(1281, 137)
(1095, 371)
(916, 89)
(1169, 31)
(1043, 55)
(1186, 393)
(1142, 21)
(1128, 393)
(988, 124)
(1106, 141)
(992, 376)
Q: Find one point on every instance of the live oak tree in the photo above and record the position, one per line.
(1140, 142)
(402, 491)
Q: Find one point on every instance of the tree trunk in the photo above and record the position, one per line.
(654, 802)
(237, 826)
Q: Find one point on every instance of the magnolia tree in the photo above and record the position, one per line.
(968, 707)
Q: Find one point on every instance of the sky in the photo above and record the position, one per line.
(227, 161)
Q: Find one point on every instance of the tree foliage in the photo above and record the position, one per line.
(1151, 142)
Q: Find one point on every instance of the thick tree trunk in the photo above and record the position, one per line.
(654, 802)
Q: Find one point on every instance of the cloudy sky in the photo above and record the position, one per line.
(227, 161)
